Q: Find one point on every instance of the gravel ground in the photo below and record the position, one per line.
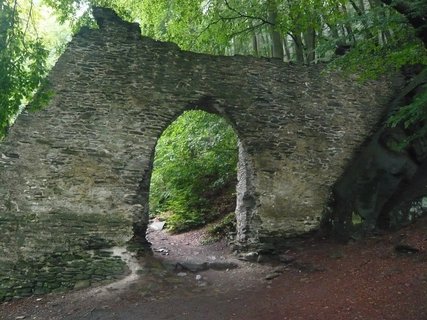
(367, 279)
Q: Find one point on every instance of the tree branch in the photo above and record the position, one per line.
(292, 36)
(242, 15)
(417, 19)
(356, 8)
(30, 12)
(238, 16)
(12, 25)
(248, 29)
(210, 24)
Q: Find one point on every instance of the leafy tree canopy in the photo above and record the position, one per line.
(30, 41)
(22, 59)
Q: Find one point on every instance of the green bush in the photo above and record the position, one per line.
(195, 162)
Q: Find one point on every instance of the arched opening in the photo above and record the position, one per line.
(194, 175)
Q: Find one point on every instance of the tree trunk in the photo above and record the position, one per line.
(310, 42)
(360, 12)
(255, 45)
(299, 47)
(348, 27)
(287, 50)
(276, 37)
(334, 31)
(265, 48)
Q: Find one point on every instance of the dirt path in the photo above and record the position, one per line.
(365, 280)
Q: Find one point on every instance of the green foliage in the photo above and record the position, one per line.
(196, 157)
(377, 33)
(41, 97)
(22, 63)
(412, 115)
(382, 43)
(382, 39)
(304, 14)
(225, 226)
(192, 24)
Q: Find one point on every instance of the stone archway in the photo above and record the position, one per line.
(245, 191)
(90, 150)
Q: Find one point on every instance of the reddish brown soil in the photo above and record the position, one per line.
(365, 280)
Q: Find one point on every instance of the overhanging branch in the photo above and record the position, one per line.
(417, 18)
(242, 15)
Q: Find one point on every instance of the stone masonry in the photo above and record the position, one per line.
(90, 150)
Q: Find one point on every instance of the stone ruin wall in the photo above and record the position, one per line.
(90, 150)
